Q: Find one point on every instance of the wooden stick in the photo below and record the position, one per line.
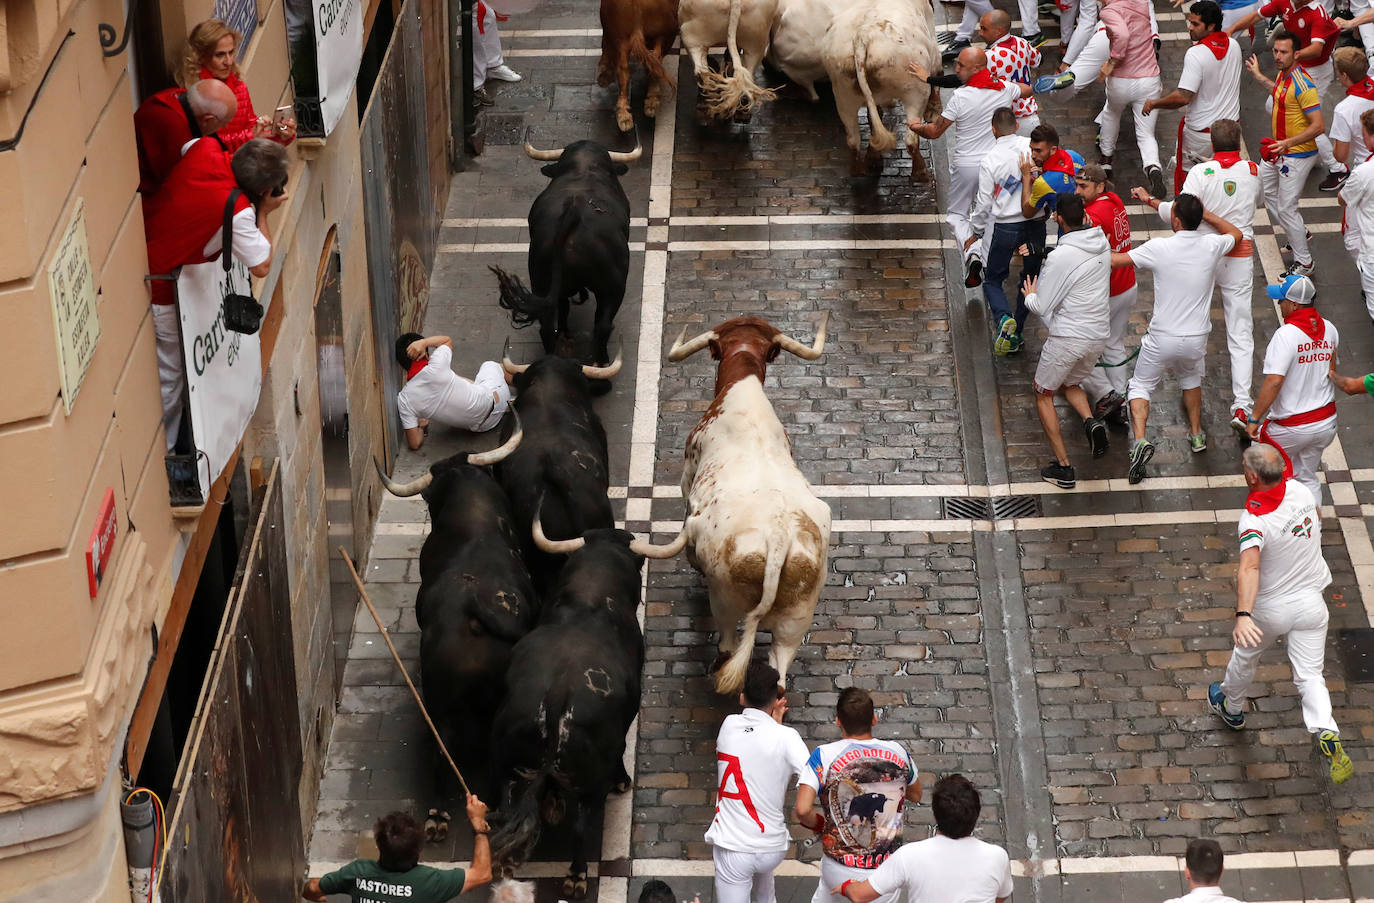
(396, 656)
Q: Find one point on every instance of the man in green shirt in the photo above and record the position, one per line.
(396, 876)
(1354, 385)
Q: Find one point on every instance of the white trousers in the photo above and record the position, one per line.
(1030, 16)
(1235, 278)
(1113, 379)
(1026, 124)
(963, 188)
(1184, 356)
(1087, 66)
(1230, 17)
(833, 874)
(973, 11)
(1322, 77)
(486, 47)
(1304, 446)
(1302, 620)
(1193, 148)
(1366, 268)
(739, 874)
(1124, 93)
(1281, 182)
(171, 368)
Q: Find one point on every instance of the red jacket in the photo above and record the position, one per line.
(182, 217)
(238, 132)
(162, 124)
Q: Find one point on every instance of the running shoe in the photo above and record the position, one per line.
(1197, 442)
(1341, 767)
(1301, 269)
(955, 47)
(1047, 83)
(1333, 181)
(1096, 431)
(1006, 336)
(1154, 176)
(504, 73)
(973, 272)
(1060, 475)
(1036, 40)
(1240, 422)
(1142, 450)
(1217, 700)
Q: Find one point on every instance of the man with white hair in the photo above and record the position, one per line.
(1279, 593)
(167, 122)
(512, 891)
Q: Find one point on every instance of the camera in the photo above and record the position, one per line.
(279, 190)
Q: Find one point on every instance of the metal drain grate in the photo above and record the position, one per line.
(1001, 508)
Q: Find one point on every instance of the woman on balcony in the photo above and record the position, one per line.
(212, 52)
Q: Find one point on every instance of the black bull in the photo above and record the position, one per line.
(579, 243)
(571, 693)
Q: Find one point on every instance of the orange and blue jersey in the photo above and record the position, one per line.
(1295, 99)
(1056, 178)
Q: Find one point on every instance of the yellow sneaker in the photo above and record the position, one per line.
(1341, 766)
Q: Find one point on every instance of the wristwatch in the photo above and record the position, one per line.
(1245, 614)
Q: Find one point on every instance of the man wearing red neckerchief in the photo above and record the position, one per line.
(434, 392)
(1347, 136)
(1357, 199)
(1279, 593)
(1296, 408)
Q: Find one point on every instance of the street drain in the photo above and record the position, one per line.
(964, 508)
(1003, 507)
(1009, 506)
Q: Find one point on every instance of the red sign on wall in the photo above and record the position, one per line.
(102, 541)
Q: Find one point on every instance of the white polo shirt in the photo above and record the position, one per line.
(1304, 363)
(756, 759)
(1358, 194)
(1289, 537)
(1204, 895)
(1215, 84)
(1345, 126)
(942, 870)
(437, 393)
(1230, 192)
(1184, 265)
(971, 109)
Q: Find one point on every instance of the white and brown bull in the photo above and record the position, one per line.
(866, 51)
(743, 26)
(754, 528)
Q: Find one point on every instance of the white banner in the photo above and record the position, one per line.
(223, 368)
(338, 54)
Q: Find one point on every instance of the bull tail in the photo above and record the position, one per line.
(730, 677)
(516, 827)
(527, 308)
(725, 96)
(879, 138)
(649, 60)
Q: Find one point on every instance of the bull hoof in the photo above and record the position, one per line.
(624, 120)
(743, 115)
(858, 166)
(651, 107)
(623, 783)
(922, 175)
(575, 886)
(436, 826)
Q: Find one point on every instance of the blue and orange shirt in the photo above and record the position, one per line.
(1294, 99)
(1056, 177)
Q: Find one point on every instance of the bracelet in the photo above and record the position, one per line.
(1252, 420)
(844, 885)
(1245, 614)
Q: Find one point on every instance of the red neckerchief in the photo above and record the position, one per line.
(1218, 42)
(1363, 89)
(1263, 501)
(983, 79)
(415, 368)
(1309, 321)
(1060, 161)
(1227, 159)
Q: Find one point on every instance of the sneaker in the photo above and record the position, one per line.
(1142, 450)
(1217, 700)
(1006, 335)
(1154, 176)
(1288, 248)
(1197, 442)
(973, 272)
(504, 73)
(1333, 181)
(1036, 40)
(1060, 475)
(481, 98)
(1096, 431)
(1341, 767)
(1240, 422)
(1301, 269)
(1112, 405)
(1046, 83)
(1016, 344)
(955, 46)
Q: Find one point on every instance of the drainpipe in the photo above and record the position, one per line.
(140, 843)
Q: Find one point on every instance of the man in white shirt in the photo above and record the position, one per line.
(1209, 87)
(1229, 187)
(1184, 266)
(861, 785)
(998, 217)
(1297, 403)
(1203, 866)
(1357, 197)
(969, 109)
(756, 758)
(434, 392)
(952, 865)
(1071, 297)
(1279, 593)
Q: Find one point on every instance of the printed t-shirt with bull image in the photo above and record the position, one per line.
(862, 789)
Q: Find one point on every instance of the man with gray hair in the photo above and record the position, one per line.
(166, 123)
(512, 891)
(1279, 593)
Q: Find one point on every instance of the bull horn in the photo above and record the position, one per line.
(787, 343)
(503, 451)
(681, 351)
(537, 154)
(607, 371)
(649, 550)
(404, 490)
(554, 546)
(627, 157)
(507, 364)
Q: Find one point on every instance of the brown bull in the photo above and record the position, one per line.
(640, 30)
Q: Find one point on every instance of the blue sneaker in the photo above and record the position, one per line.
(1341, 767)
(1047, 83)
(1234, 720)
(1006, 336)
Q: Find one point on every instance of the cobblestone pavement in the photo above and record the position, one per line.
(1057, 654)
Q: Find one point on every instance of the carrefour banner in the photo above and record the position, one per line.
(338, 54)
(223, 368)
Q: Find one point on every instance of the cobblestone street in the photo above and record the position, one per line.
(1055, 647)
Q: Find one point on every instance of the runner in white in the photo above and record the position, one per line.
(756, 758)
(1184, 266)
(1209, 87)
(1357, 197)
(1087, 51)
(1132, 75)
(1279, 593)
(1229, 187)
(1203, 866)
(860, 785)
(1297, 403)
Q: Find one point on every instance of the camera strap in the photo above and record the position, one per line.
(226, 241)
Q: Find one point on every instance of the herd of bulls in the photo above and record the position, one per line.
(530, 645)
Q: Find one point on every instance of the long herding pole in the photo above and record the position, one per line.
(358, 581)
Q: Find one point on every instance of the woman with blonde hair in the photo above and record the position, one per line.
(212, 52)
